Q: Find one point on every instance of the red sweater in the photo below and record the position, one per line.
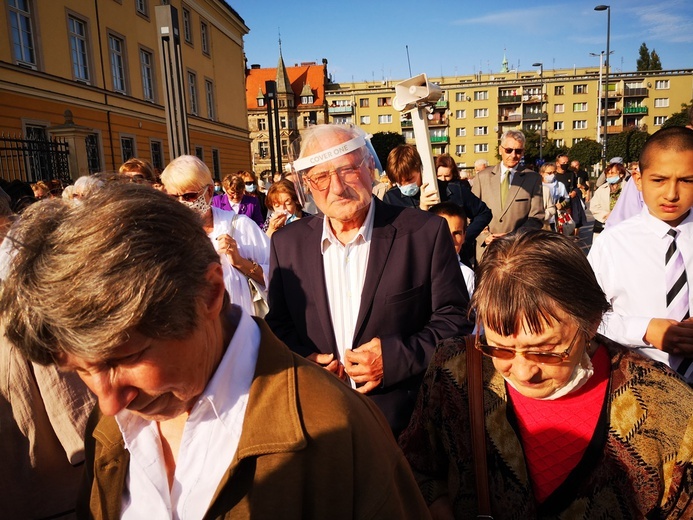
(555, 434)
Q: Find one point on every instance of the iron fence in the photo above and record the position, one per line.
(32, 160)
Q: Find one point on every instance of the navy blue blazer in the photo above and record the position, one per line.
(414, 296)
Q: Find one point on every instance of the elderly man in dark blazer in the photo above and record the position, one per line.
(514, 194)
(369, 289)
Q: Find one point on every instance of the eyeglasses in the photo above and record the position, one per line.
(543, 358)
(190, 196)
(321, 180)
(518, 151)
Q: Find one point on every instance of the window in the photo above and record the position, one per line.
(459, 96)
(384, 101)
(127, 147)
(77, 33)
(263, 149)
(262, 124)
(384, 119)
(576, 140)
(580, 89)
(204, 37)
(559, 90)
(200, 153)
(408, 134)
(560, 143)
(662, 84)
(579, 107)
(461, 132)
(460, 149)
(282, 103)
(116, 49)
(285, 148)
(146, 65)
(157, 153)
(187, 25)
(460, 114)
(481, 148)
(559, 108)
(93, 153)
(192, 92)
(558, 125)
(481, 112)
(580, 124)
(363, 102)
(22, 32)
(661, 102)
(142, 7)
(209, 94)
(216, 164)
(481, 130)
(480, 95)
(307, 100)
(261, 102)
(365, 120)
(282, 122)
(659, 120)
(342, 120)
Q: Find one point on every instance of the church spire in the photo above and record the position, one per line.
(283, 82)
(504, 63)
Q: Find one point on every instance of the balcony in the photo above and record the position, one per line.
(613, 93)
(508, 118)
(509, 99)
(438, 121)
(340, 110)
(612, 112)
(534, 116)
(406, 123)
(635, 110)
(635, 92)
(613, 129)
(533, 98)
(440, 139)
(441, 103)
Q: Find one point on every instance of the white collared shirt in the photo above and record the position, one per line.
(345, 273)
(628, 261)
(507, 171)
(208, 445)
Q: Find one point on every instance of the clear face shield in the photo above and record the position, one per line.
(313, 158)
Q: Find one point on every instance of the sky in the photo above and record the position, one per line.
(367, 40)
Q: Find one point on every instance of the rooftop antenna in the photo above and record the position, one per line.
(408, 61)
(279, 33)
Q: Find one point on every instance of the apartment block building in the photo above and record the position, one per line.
(566, 105)
(90, 71)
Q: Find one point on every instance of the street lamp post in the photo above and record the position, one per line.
(541, 111)
(606, 8)
(599, 94)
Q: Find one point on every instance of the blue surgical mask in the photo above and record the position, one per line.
(290, 218)
(613, 180)
(218, 189)
(249, 187)
(409, 190)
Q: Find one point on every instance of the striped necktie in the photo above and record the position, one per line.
(676, 281)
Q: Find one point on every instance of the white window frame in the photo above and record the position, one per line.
(385, 119)
(481, 148)
(204, 38)
(142, 7)
(365, 120)
(192, 92)
(662, 84)
(480, 95)
(559, 108)
(80, 51)
(481, 130)
(580, 106)
(128, 137)
(580, 124)
(187, 24)
(661, 102)
(461, 114)
(117, 54)
(461, 132)
(659, 120)
(209, 96)
(460, 149)
(148, 75)
(480, 113)
(558, 126)
(21, 21)
(459, 96)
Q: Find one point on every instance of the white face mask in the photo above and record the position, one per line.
(548, 179)
(409, 190)
(200, 205)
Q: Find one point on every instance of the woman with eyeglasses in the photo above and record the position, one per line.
(575, 425)
(242, 246)
(236, 199)
(285, 208)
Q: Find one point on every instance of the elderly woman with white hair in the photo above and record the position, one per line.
(241, 244)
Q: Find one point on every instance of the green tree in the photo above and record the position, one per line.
(548, 146)
(384, 142)
(655, 62)
(627, 145)
(643, 62)
(587, 151)
(680, 118)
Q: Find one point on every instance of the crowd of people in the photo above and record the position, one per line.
(329, 347)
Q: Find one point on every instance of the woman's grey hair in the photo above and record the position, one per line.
(528, 278)
(84, 276)
(86, 185)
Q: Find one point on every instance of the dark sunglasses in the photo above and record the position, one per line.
(518, 151)
(188, 197)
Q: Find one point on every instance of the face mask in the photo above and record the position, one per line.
(564, 167)
(290, 218)
(200, 205)
(250, 187)
(409, 190)
(613, 180)
(548, 179)
(217, 189)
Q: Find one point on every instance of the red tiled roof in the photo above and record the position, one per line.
(314, 75)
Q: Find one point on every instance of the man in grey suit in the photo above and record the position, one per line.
(512, 193)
